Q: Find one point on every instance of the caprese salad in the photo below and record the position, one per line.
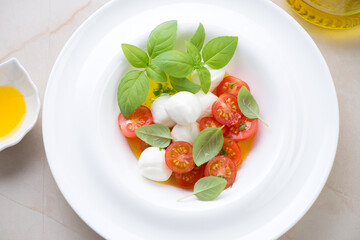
(184, 117)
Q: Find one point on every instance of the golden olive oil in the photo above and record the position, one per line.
(12, 111)
(335, 14)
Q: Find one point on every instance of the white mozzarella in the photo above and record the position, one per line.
(158, 112)
(206, 102)
(216, 77)
(152, 164)
(183, 108)
(186, 133)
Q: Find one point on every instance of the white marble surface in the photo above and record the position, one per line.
(31, 205)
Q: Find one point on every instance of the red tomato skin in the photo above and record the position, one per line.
(224, 86)
(188, 180)
(140, 117)
(233, 133)
(231, 150)
(178, 157)
(221, 166)
(226, 110)
(207, 122)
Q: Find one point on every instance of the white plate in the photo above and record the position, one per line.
(276, 185)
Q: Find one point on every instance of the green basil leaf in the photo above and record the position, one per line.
(199, 37)
(155, 73)
(219, 51)
(132, 91)
(248, 105)
(157, 135)
(136, 56)
(207, 145)
(208, 188)
(162, 38)
(176, 63)
(205, 80)
(193, 51)
(184, 84)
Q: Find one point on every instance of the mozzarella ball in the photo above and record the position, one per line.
(158, 112)
(186, 133)
(183, 108)
(206, 102)
(152, 164)
(216, 77)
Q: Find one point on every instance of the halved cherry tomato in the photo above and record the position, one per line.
(190, 178)
(231, 150)
(178, 157)
(226, 110)
(244, 129)
(222, 166)
(140, 117)
(144, 145)
(231, 85)
(208, 122)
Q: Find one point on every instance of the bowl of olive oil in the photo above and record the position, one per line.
(335, 14)
(19, 103)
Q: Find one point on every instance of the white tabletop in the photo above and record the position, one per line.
(31, 205)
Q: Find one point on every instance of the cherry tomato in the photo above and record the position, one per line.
(226, 110)
(222, 166)
(231, 85)
(190, 178)
(231, 150)
(144, 145)
(244, 129)
(178, 157)
(140, 117)
(208, 122)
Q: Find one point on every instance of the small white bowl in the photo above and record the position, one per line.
(12, 73)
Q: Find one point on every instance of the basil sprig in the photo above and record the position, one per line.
(208, 188)
(216, 54)
(207, 145)
(134, 86)
(157, 135)
(248, 105)
(160, 60)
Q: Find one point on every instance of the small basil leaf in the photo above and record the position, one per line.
(219, 51)
(162, 38)
(132, 91)
(184, 84)
(207, 145)
(193, 51)
(157, 135)
(155, 73)
(208, 188)
(248, 105)
(199, 37)
(136, 56)
(176, 63)
(205, 80)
